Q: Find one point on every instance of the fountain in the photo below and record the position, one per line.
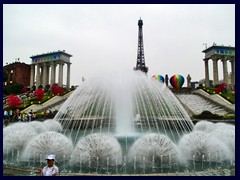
(126, 124)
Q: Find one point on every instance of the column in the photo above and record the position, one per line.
(225, 71)
(41, 74)
(207, 84)
(233, 71)
(60, 74)
(53, 72)
(215, 71)
(44, 81)
(32, 77)
(68, 75)
(38, 76)
(47, 80)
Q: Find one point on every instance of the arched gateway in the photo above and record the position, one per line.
(223, 53)
(46, 61)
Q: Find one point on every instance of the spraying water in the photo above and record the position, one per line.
(111, 105)
(126, 123)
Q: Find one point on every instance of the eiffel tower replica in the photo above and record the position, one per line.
(140, 55)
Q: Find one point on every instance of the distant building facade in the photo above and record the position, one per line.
(17, 72)
(203, 82)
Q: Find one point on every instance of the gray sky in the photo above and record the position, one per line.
(105, 37)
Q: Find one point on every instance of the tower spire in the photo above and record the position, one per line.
(140, 55)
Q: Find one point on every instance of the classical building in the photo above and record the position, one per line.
(43, 67)
(223, 53)
(17, 72)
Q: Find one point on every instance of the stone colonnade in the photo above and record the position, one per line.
(224, 60)
(42, 75)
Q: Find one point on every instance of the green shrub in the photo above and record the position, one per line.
(206, 113)
(209, 115)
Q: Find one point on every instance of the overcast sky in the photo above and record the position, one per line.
(105, 37)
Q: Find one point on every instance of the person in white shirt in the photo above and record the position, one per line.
(51, 169)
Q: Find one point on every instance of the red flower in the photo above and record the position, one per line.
(56, 89)
(221, 87)
(39, 93)
(13, 101)
(24, 90)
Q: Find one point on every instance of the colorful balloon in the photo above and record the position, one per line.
(177, 81)
(158, 77)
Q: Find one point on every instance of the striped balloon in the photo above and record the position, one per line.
(177, 81)
(158, 77)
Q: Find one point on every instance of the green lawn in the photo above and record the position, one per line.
(229, 95)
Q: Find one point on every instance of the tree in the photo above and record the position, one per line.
(47, 87)
(13, 101)
(39, 93)
(40, 86)
(12, 89)
(33, 88)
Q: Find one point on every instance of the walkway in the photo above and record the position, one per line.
(13, 171)
(216, 99)
(198, 104)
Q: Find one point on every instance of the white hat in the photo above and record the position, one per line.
(50, 156)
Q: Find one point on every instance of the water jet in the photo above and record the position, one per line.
(125, 125)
